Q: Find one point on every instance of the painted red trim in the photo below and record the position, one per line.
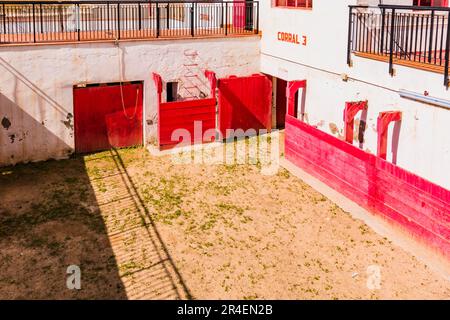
(291, 90)
(350, 111)
(158, 84)
(211, 76)
(443, 3)
(403, 198)
(383, 121)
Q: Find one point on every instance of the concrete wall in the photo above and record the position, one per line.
(36, 84)
(424, 140)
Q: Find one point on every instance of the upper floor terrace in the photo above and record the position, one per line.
(412, 36)
(25, 22)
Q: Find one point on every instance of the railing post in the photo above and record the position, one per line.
(222, 19)
(447, 53)
(167, 13)
(157, 20)
(257, 17)
(107, 16)
(383, 26)
(34, 25)
(139, 16)
(40, 18)
(431, 37)
(192, 18)
(118, 21)
(349, 39)
(78, 21)
(4, 21)
(391, 46)
(226, 18)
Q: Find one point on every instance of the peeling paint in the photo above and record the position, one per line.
(6, 123)
(333, 128)
(68, 123)
(12, 137)
(69, 152)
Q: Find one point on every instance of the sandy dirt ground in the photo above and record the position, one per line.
(143, 227)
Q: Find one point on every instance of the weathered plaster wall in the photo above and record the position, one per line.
(424, 140)
(36, 84)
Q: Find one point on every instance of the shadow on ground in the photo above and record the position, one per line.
(83, 211)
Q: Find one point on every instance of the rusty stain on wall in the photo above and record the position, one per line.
(361, 131)
(6, 123)
(335, 130)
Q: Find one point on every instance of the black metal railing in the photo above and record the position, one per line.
(409, 33)
(42, 22)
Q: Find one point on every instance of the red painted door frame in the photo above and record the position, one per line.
(350, 111)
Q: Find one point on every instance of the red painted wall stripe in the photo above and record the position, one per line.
(403, 198)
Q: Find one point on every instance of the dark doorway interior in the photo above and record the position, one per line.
(172, 91)
(281, 103)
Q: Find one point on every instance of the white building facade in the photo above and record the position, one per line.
(311, 44)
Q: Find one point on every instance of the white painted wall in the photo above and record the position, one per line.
(36, 84)
(424, 142)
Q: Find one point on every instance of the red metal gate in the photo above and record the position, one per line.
(107, 116)
(245, 103)
(195, 118)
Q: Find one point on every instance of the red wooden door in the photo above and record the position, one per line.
(245, 103)
(104, 120)
(183, 115)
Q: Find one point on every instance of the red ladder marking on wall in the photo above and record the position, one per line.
(191, 81)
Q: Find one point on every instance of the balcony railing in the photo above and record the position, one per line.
(408, 35)
(43, 22)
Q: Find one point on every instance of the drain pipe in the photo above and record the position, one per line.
(424, 99)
